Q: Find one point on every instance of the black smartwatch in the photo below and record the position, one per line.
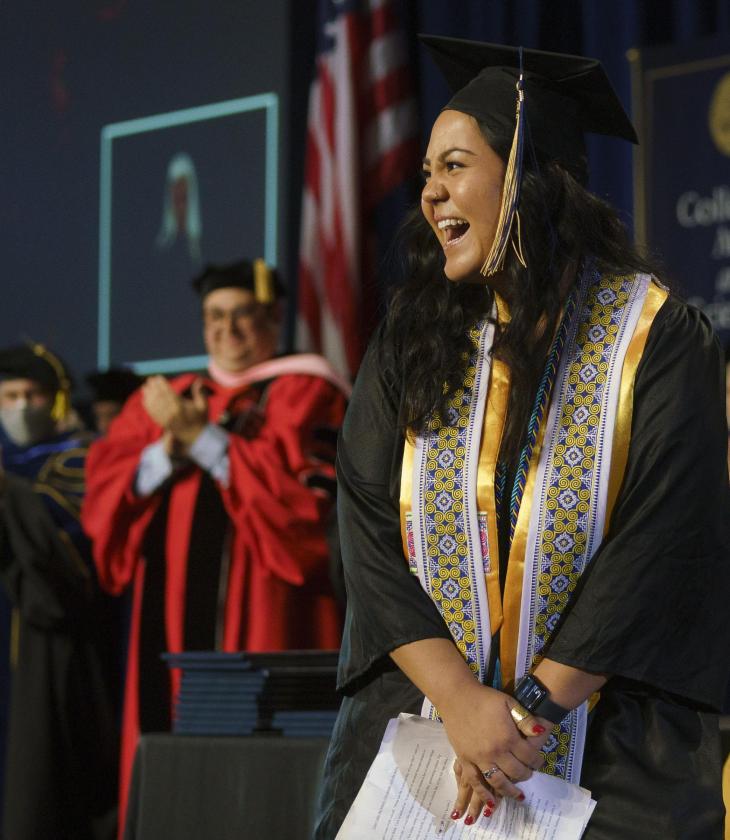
(531, 694)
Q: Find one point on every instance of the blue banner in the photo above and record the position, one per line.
(682, 188)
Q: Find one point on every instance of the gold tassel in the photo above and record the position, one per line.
(517, 246)
(262, 282)
(61, 405)
(495, 259)
(62, 401)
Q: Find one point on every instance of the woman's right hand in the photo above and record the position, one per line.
(485, 736)
(478, 723)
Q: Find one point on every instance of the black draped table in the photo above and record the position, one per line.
(195, 787)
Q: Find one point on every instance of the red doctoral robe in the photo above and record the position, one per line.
(274, 590)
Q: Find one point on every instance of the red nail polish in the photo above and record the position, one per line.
(490, 804)
(468, 820)
(537, 729)
(487, 812)
(521, 797)
(455, 814)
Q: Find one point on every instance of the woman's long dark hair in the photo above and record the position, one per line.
(429, 317)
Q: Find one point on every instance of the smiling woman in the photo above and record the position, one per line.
(533, 494)
(462, 194)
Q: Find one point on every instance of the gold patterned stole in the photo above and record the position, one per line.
(443, 533)
(448, 506)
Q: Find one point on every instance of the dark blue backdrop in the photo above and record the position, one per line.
(68, 69)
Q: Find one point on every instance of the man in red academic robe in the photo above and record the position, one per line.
(207, 497)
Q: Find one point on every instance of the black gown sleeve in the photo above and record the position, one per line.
(43, 574)
(652, 605)
(386, 606)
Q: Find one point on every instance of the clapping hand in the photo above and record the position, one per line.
(182, 419)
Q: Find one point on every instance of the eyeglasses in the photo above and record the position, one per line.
(215, 315)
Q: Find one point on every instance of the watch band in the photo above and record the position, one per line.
(533, 696)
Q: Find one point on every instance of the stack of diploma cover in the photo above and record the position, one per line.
(290, 693)
(410, 790)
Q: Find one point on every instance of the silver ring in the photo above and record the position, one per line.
(489, 773)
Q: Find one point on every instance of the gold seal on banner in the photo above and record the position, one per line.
(720, 115)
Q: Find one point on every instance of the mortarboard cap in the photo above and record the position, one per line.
(21, 362)
(255, 276)
(565, 96)
(528, 98)
(113, 385)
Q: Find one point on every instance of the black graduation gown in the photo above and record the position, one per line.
(62, 755)
(651, 610)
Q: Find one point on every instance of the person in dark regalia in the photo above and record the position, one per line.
(210, 497)
(110, 389)
(62, 739)
(533, 490)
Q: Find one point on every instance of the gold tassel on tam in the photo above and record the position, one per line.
(263, 283)
(62, 401)
(510, 196)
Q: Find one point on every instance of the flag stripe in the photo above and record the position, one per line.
(390, 170)
(385, 55)
(361, 143)
(391, 127)
(383, 20)
(390, 90)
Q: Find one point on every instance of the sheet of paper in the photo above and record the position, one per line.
(409, 793)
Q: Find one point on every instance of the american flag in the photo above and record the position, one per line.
(362, 142)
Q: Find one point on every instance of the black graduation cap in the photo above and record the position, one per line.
(529, 102)
(255, 276)
(36, 362)
(565, 96)
(113, 385)
(22, 362)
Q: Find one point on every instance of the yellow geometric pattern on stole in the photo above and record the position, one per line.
(451, 567)
(455, 608)
(577, 433)
(448, 583)
(601, 312)
(515, 569)
(564, 536)
(564, 544)
(573, 469)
